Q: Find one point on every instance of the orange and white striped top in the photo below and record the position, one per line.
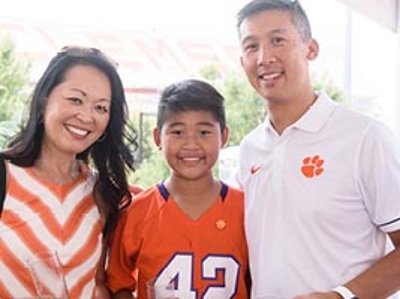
(39, 215)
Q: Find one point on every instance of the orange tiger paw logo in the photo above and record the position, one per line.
(312, 166)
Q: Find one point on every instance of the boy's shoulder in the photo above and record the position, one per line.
(234, 194)
(144, 203)
(234, 189)
(145, 194)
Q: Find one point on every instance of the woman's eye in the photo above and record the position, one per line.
(75, 100)
(103, 109)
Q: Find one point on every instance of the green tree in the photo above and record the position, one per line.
(14, 81)
(244, 111)
(244, 107)
(151, 167)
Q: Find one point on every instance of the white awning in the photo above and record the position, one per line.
(385, 12)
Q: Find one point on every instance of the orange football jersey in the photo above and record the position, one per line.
(205, 258)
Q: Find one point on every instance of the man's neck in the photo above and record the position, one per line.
(282, 115)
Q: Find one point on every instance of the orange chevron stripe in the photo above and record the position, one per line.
(4, 292)
(61, 230)
(12, 262)
(82, 253)
(25, 232)
(76, 291)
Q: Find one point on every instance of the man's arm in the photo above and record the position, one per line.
(382, 279)
(378, 282)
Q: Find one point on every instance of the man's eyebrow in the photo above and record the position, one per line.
(272, 31)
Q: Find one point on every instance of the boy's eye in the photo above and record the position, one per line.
(205, 132)
(177, 132)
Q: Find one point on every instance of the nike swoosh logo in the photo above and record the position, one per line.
(254, 169)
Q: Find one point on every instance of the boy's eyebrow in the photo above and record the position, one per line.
(205, 123)
(202, 123)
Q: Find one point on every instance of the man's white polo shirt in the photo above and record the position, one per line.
(319, 199)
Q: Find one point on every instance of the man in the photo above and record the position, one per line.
(322, 183)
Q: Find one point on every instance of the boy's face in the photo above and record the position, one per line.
(190, 142)
(275, 57)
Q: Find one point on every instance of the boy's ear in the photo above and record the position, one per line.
(156, 138)
(224, 136)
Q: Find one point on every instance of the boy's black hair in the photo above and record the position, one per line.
(190, 95)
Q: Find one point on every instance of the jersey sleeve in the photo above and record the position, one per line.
(121, 263)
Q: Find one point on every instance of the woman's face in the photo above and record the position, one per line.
(77, 111)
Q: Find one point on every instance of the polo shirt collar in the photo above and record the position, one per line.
(315, 117)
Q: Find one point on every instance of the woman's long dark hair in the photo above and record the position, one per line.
(112, 156)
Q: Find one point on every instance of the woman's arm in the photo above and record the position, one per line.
(101, 291)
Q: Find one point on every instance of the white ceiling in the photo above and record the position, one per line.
(385, 12)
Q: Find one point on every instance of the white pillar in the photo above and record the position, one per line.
(398, 69)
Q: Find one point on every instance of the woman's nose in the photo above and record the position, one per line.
(86, 113)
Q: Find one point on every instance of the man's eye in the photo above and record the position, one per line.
(278, 41)
(250, 47)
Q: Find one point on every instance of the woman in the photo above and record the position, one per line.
(66, 174)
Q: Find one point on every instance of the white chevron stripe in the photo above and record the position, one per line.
(41, 231)
(49, 198)
(62, 211)
(10, 282)
(88, 290)
(83, 232)
(37, 225)
(14, 244)
(90, 263)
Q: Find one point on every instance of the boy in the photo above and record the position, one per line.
(187, 229)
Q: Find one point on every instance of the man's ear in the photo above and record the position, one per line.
(313, 49)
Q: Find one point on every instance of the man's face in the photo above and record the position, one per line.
(275, 57)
